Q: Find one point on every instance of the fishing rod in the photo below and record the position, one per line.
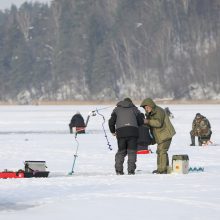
(93, 113)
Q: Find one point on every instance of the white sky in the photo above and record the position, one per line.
(4, 4)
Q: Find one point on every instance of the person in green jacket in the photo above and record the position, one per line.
(162, 131)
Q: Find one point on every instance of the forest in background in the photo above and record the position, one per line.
(108, 50)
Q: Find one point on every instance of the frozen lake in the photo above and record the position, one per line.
(94, 191)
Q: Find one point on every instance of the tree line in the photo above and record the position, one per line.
(106, 50)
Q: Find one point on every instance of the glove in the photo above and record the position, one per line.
(145, 121)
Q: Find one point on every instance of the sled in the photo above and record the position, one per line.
(22, 174)
(10, 174)
(144, 152)
(31, 169)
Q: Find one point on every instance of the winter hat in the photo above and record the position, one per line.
(198, 115)
(128, 99)
(148, 102)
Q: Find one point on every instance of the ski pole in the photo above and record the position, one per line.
(75, 155)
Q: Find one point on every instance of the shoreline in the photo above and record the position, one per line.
(137, 102)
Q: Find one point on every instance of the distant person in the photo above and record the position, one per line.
(168, 112)
(124, 122)
(78, 123)
(144, 139)
(202, 129)
(162, 131)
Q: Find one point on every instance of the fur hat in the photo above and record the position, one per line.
(198, 115)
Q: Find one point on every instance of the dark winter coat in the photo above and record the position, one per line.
(159, 122)
(77, 121)
(144, 138)
(125, 120)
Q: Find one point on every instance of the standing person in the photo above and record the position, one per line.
(202, 129)
(77, 121)
(123, 124)
(162, 131)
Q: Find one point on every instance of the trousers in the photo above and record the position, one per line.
(162, 156)
(127, 146)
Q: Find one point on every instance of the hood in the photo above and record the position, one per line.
(148, 102)
(125, 104)
(128, 99)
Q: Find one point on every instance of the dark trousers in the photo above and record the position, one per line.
(126, 146)
(201, 139)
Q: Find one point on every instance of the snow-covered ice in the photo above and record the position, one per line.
(94, 191)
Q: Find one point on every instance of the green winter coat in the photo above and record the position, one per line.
(159, 122)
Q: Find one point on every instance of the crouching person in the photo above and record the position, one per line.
(124, 122)
(78, 123)
(162, 131)
(202, 129)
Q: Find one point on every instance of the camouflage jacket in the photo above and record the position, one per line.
(201, 127)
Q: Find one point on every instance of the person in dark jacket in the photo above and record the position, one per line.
(77, 121)
(162, 131)
(144, 138)
(124, 122)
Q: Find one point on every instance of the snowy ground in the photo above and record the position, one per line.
(94, 191)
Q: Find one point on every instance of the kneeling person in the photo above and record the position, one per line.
(77, 121)
(202, 129)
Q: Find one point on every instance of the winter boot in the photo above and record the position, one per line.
(192, 140)
(119, 172)
(200, 141)
(163, 172)
(155, 172)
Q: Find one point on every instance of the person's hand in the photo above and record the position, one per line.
(145, 121)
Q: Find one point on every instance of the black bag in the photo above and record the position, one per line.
(144, 138)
